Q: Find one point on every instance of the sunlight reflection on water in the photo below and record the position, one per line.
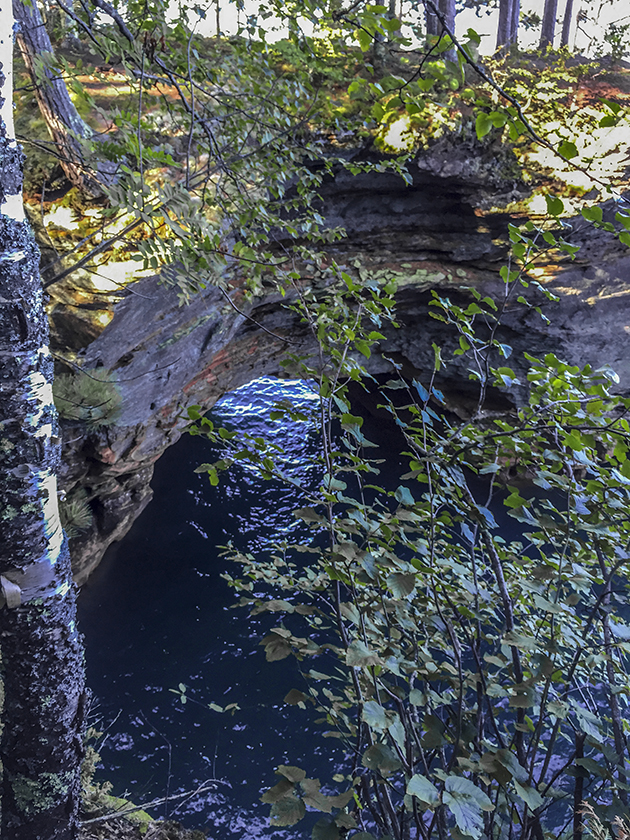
(156, 613)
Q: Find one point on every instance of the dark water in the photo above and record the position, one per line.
(156, 613)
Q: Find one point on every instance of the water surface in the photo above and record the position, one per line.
(157, 613)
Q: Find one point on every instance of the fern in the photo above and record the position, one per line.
(75, 514)
(89, 397)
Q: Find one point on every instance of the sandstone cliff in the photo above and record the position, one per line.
(445, 232)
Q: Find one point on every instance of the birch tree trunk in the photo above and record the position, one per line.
(66, 126)
(42, 659)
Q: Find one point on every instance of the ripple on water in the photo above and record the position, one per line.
(156, 613)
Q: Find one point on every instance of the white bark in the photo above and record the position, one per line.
(6, 63)
(41, 745)
(11, 204)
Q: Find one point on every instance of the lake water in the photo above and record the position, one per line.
(156, 613)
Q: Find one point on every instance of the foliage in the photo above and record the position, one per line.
(616, 40)
(75, 513)
(88, 396)
(475, 672)
(95, 796)
(597, 831)
(222, 144)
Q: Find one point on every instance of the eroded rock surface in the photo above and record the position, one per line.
(430, 236)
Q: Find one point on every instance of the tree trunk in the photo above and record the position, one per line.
(548, 31)
(566, 24)
(514, 22)
(42, 660)
(66, 126)
(503, 29)
(447, 7)
(432, 23)
(438, 24)
(507, 31)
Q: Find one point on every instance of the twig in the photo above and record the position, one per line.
(169, 774)
(78, 368)
(209, 784)
(253, 320)
(89, 257)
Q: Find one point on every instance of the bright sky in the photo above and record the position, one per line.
(599, 15)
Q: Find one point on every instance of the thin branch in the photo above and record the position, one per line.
(253, 320)
(209, 784)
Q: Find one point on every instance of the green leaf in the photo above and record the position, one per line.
(403, 495)
(382, 758)
(314, 798)
(325, 830)
(488, 516)
(287, 811)
(401, 585)
(529, 795)
(621, 631)
(498, 118)
(568, 149)
(359, 656)
(555, 205)
(417, 698)
(615, 107)
(489, 468)
(483, 125)
(593, 214)
(466, 802)
(277, 792)
(398, 733)
(293, 774)
(276, 647)
(363, 347)
(424, 790)
(511, 763)
(375, 716)
(345, 820)
(295, 697)
(437, 353)
(364, 38)
(307, 515)
(622, 218)
(433, 732)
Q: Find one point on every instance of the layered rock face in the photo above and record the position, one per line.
(443, 233)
